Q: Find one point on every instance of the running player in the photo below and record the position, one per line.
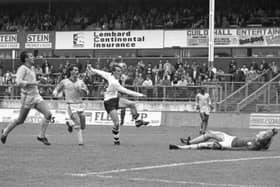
(30, 98)
(74, 89)
(203, 104)
(222, 140)
(113, 102)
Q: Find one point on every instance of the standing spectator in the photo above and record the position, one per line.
(194, 73)
(274, 68)
(203, 71)
(138, 81)
(46, 67)
(167, 69)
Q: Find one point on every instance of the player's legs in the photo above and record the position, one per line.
(112, 106)
(123, 111)
(125, 103)
(116, 127)
(215, 135)
(20, 120)
(76, 118)
(204, 122)
(202, 145)
(43, 108)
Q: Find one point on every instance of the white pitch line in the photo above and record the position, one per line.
(171, 165)
(143, 179)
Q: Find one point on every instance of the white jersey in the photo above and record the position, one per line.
(114, 87)
(204, 102)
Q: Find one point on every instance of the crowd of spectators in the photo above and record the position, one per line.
(136, 14)
(164, 73)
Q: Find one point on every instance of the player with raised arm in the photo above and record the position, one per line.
(223, 141)
(112, 101)
(204, 105)
(30, 98)
(74, 89)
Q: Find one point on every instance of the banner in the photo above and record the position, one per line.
(93, 117)
(243, 37)
(263, 121)
(41, 40)
(109, 39)
(9, 41)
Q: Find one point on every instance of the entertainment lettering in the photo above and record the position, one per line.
(251, 32)
(122, 39)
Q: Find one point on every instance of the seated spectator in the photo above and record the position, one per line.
(148, 82)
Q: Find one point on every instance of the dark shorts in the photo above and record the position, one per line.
(112, 104)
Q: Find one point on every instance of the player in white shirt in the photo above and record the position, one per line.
(74, 89)
(204, 105)
(112, 101)
(223, 141)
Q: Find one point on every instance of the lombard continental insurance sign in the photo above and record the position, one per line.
(9, 41)
(109, 39)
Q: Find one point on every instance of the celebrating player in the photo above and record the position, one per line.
(74, 89)
(222, 140)
(113, 102)
(30, 98)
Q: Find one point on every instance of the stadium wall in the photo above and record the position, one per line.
(224, 120)
(162, 113)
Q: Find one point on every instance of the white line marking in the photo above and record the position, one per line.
(172, 181)
(171, 165)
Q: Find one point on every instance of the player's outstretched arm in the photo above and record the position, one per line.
(93, 71)
(124, 90)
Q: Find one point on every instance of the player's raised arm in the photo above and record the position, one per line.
(103, 74)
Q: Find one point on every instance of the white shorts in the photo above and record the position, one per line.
(224, 139)
(29, 101)
(72, 108)
(205, 109)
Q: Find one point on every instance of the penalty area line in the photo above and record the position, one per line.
(171, 165)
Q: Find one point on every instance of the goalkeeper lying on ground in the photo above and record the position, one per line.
(221, 140)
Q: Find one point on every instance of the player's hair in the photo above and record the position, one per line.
(23, 56)
(71, 67)
(264, 141)
(115, 66)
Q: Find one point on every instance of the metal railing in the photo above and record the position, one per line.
(153, 93)
(245, 89)
(264, 89)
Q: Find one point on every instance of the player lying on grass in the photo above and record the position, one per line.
(222, 140)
